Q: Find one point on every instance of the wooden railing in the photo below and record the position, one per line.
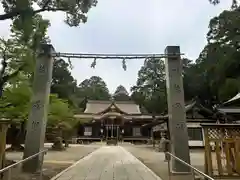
(222, 150)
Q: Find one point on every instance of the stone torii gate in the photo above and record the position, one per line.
(36, 126)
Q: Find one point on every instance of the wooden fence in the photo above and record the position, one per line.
(222, 150)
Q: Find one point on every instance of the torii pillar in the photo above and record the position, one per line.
(176, 109)
(36, 125)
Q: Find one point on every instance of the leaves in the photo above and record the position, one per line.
(63, 83)
(121, 94)
(59, 112)
(17, 98)
(217, 69)
(23, 11)
(93, 88)
(150, 90)
(19, 55)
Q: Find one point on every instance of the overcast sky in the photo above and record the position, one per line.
(131, 26)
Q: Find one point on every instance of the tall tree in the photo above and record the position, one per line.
(150, 90)
(93, 88)
(121, 94)
(63, 83)
(18, 56)
(217, 68)
(223, 53)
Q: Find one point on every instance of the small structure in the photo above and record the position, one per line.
(195, 114)
(3, 133)
(120, 120)
(224, 161)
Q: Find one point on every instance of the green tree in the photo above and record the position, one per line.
(150, 90)
(121, 94)
(17, 56)
(214, 78)
(220, 58)
(23, 12)
(93, 88)
(59, 111)
(18, 60)
(60, 119)
(15, 106)
(63, 83)
(15, 101)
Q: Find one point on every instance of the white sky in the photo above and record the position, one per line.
(131, 26)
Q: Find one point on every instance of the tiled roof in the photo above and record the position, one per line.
(95, 107)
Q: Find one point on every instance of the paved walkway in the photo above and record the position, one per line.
(108, 163)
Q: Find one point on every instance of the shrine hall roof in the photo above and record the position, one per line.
(96, 107)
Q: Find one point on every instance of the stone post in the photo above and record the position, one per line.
(36, 125)
(176, 109)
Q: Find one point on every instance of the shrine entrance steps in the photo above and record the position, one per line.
(108, 163)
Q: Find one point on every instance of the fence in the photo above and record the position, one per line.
(6, 173)
(222, 150)
(193, 173)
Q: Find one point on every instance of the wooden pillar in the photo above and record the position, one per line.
(3, 133)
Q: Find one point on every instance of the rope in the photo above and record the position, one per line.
(123, 57)
(113, 56)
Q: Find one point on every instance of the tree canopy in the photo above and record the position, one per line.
(121, 94)
(213, 77)
(23, 12)
(93, 88)
(18, 58)
(150, 89)
(63, 83)
(217, 67)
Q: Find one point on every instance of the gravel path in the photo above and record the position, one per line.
(155, 160)
(54, 161)
(108, 163)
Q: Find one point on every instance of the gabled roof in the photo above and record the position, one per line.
(126, 107)
(200, 108)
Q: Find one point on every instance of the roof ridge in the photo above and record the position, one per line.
(109, 102)
(125, 102)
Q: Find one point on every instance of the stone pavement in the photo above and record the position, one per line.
(108, 163)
